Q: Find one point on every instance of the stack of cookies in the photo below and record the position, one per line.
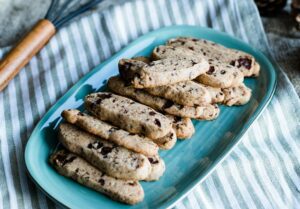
(115, 143)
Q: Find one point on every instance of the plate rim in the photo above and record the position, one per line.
(235, 141)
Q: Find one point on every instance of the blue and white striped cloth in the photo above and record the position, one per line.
(263, 171)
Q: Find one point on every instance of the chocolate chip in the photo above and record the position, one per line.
(246, 62)
(90, 146)
(113, 129)
(191, 48)
(152, 113)
(223, 72)
(177, 119)
(211, 70)
(180, 107)
(137, 75)
(143, 128)
(64, 159)
(232, 63)
(204, 53)
(132, 183)
(131, 134)
(77, 170)
(105, 150)
(194, 39)
(101, 181)
(168, 104)
(98, 145)
(157, 49)
(80, 114)
(152, 161)
(157, 122)
(193, 62)
(102, 97)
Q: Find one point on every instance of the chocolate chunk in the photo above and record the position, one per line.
(157, 122)
(143, 129)
(97, 145)
(80, 114)
(180, 107)
(63, 159)
(191, 48)
(90, 146)
(105, 150)
(152, 161)
(101, 181)
(168, 104)
(193, 62)
(246, 62)
(177, 119)
(113, 129)
(152, 113)
(232, 63)
(211, 70)
(132, 183)
(223, 72)
(102, 97)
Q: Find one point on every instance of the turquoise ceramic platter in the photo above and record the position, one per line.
(188, 163)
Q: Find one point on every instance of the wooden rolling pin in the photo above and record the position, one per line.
(22, 53)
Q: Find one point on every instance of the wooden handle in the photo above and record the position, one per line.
(22, 53)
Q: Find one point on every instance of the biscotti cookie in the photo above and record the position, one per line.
(167, 142)
(157, 168)
(203, 112)
(161, 72)
(128, 114)
(76, 168)
(241, 60)
(111, 159)
(220, 74)
(134, 142)
(238, 95)
(216, 94)
(183, 127)
(188, 93)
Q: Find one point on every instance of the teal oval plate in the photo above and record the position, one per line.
(188, 163)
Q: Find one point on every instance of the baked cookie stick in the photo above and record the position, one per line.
(220, 74)
(128, 114)
(161, 72)
(183, 127)
(203, 112)
(244, 62)
(157, 168)
(109, 158)
(134, 142)
(238, 95)
(187, 93)
(76, 168)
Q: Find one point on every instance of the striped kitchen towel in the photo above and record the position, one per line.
(263, 171)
